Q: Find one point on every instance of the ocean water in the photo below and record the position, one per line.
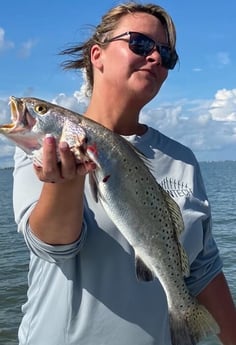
(13, 265)
(220, 181)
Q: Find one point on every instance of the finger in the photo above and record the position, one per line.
(68, 162)
(40, 174)
(49, 154)
(85, 168)
(50, 170)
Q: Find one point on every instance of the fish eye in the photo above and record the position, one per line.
(41, 109)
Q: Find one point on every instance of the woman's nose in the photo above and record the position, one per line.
(154, 56)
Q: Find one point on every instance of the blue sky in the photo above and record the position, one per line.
(196, 105)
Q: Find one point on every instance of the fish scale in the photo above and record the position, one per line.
(143, 212)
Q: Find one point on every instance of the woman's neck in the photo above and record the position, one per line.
(123, 120)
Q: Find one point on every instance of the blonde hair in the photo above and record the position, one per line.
(81, 53)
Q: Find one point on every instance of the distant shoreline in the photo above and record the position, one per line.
(201, 162)
(7, 168)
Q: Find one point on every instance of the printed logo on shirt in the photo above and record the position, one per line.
(176, 189)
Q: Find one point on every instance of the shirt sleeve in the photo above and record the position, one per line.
(52, 253)
(26, 191)
(207, 263)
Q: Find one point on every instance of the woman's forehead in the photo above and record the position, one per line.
(142, 22)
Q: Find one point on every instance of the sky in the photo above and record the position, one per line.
(197, 103)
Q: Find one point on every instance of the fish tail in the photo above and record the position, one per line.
(191, 326)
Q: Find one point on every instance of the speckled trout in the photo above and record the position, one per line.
(140, 208)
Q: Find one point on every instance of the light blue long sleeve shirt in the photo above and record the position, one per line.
(87, 293)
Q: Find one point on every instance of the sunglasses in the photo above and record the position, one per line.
(141, 44)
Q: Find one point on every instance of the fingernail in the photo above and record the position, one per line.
(49, 138)
(63, 145)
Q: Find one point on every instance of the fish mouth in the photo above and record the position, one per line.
(22, 121)
(20, 130)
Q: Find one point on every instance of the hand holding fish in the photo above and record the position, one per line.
(68, 168)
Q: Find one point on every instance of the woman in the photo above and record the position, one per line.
(82, 284)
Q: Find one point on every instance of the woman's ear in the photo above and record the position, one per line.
(96, 56)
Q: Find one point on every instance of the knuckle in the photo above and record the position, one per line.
(50, 171)
(68, 173)
(47, 175)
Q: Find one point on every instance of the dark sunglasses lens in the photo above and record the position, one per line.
(165, 53)
(140, 44)
(143, 45)
(168, 57)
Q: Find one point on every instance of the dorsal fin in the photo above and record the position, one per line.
(178, 226)
(140, 154)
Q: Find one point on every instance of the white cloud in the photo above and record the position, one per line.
(208, 127)
(4, 44)
(190, 122)
(26, 48)
(223, 58)
(78, 101)
(7, 147)
(197, 69)
(223, 107)
(4, 111)
(71, 102)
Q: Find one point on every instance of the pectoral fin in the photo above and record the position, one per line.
(143, 273)
(93, 186)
